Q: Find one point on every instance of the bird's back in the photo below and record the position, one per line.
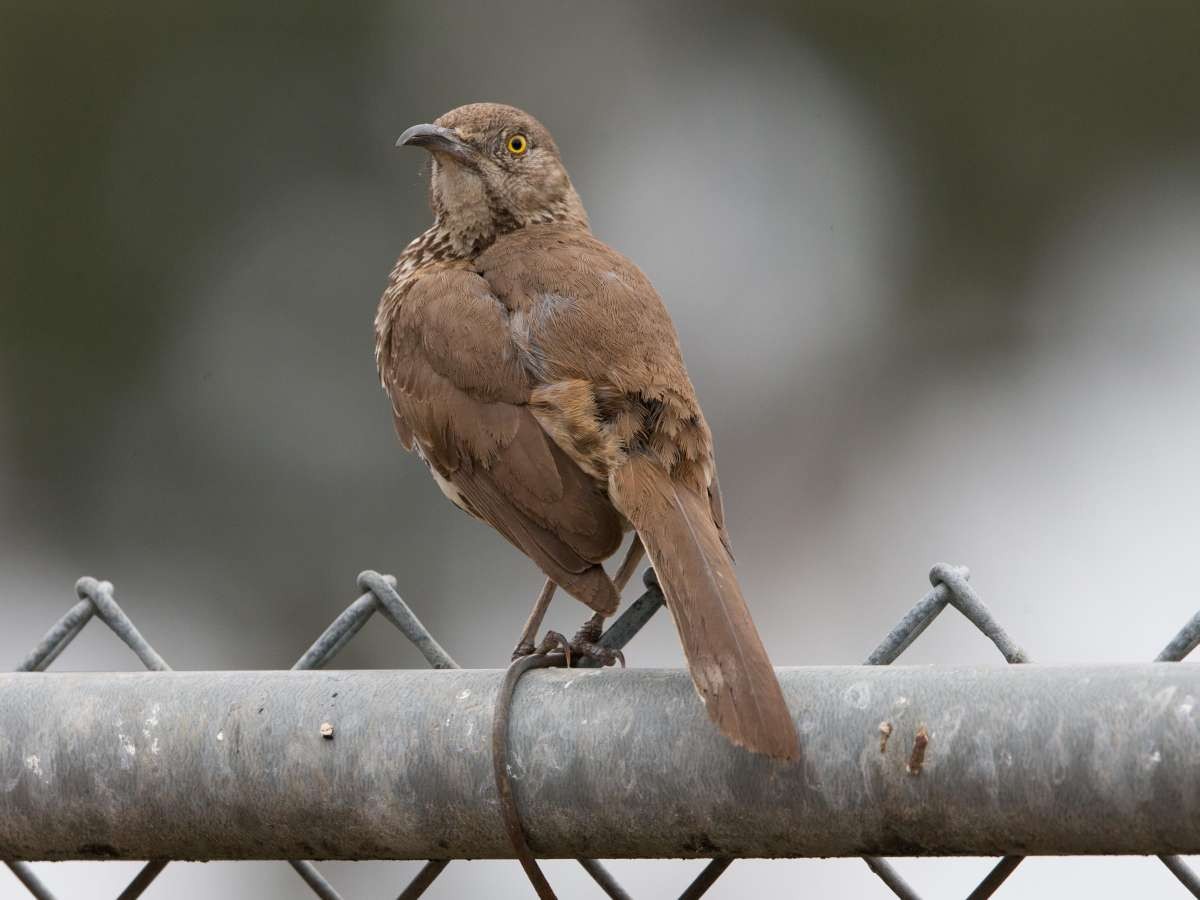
(598, 341)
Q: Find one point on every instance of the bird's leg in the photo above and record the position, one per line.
(525, 645)
(586, 642)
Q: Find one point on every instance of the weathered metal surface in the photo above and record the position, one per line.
(232, 765)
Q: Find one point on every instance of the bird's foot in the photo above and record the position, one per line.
(585, 645)
(603, 656)
(552, 642)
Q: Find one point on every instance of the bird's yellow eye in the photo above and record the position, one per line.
(517, 144)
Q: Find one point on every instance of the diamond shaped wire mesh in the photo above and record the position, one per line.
(379, 595)
(950, 587)
(95, 599)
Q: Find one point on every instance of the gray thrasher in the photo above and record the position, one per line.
(537, 373)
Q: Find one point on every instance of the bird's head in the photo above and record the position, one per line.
(495, 169)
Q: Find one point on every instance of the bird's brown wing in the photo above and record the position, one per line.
(616, 396)
(459, 396)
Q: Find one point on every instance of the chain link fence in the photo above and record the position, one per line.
(950, 587)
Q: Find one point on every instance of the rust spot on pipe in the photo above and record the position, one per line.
(885, 732)
(917, 759)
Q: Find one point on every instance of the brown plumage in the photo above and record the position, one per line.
(537, 373)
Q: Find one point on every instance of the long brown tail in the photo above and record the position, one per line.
(725, 655)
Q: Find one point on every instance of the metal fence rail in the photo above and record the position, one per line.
(912, 760)
(931, 774)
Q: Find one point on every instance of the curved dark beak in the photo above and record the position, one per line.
(437, 139)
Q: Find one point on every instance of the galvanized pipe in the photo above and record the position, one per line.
(607, 764)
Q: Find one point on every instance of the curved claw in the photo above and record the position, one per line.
(552, 641)
(598, 652)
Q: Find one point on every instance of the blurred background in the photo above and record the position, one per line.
(935, 268)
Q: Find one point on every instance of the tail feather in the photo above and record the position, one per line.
(725, 655)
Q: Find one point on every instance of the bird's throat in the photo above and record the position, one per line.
(465, 215)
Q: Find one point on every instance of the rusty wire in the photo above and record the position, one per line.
(614, 638)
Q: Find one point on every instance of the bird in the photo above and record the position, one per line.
(538, 374)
